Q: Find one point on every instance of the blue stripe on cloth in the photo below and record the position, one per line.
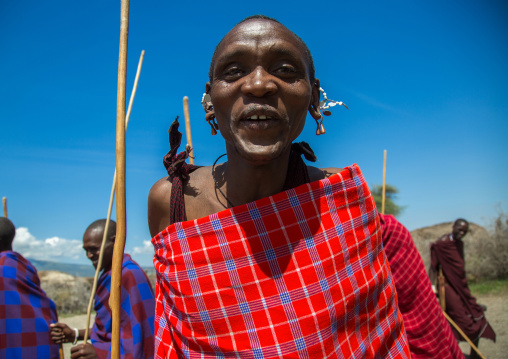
(244, 308)
(12, 297)
(258, 353)
(254, 213)
(309, 242)
(13, 326)
(294, 201)
(9, 272)
(300, 344)
(216, 225)
(35, 300)
(285, 298)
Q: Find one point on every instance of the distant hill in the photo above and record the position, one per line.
(77, 270)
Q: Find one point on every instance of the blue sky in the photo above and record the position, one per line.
(426, 80)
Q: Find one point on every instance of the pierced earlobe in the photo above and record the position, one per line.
(210, 118)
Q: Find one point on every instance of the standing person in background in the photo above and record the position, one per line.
(137, 301)
(447, 253)
(25, 310)
(263, 256)
(428, 333)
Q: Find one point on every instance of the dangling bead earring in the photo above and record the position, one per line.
(210, 118)
(206, 102)
(324, 106)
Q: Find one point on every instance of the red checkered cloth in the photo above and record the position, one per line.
(300, 274)
(428, 333)
(25, 311)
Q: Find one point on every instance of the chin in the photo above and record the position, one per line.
(260, 154)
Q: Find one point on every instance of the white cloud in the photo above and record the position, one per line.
(53, 249)
(147, 248)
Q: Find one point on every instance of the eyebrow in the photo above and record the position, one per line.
(242, 51)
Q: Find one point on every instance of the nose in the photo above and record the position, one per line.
(259, 83)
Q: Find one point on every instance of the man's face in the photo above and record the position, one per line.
(261, 91)
(459, 230)
(92, 240)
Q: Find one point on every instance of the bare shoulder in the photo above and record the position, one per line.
(317, 174)
(159, 205)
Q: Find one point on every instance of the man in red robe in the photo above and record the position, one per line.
(428, 333)
(447, 253)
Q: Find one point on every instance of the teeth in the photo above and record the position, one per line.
(255, 117)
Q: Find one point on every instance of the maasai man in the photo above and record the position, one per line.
(447, 253)
(25, 310)
(263, 256)
(428, 332)
(137, 301)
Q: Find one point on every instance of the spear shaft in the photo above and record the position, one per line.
(121, 217)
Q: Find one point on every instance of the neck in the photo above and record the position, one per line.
(243, 182)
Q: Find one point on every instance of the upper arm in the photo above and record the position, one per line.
(159, 206)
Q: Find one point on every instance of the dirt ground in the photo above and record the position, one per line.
(497, 314)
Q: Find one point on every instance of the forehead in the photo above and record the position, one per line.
(92, 237)
(261, 35)
(461, 225)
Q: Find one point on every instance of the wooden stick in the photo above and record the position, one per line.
(384, 185)
(61, 352)
(110, 207)
(121, 218)
(187, 128)
(4, 201)
(475, 348)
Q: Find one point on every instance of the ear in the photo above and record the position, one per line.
(209, 106)
(314, 102)
(112, 239)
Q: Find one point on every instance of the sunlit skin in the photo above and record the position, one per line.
(92, 240)
(460, 229)
(260, 70)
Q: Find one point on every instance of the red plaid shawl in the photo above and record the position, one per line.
(428, 333)
(299, 274)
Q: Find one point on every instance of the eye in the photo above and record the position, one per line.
(285, 69)
(232, 73)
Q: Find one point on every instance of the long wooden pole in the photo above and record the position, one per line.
(188, 128)
(384, 184)
(121, 217)
(475, 348)
(110, 207)
(4, 201)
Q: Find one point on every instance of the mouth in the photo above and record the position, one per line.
(260, 118)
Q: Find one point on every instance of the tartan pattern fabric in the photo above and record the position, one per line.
(300, 274)
(136, 315)
(428, 333)
(25, 311)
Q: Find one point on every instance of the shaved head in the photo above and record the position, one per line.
(100, 224)
(308, 56)
(7, 234)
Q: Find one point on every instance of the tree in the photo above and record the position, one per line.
(390, 196)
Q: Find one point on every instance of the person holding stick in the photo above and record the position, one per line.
(447, 254)
(137, 301)
(264, 256)
(26, 312)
